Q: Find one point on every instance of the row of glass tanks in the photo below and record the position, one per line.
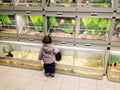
(89, 27)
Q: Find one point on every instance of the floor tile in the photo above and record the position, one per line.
(51, 86)
(105, 87)
(85, 88)
(27, 73)
(4, 67)
(3, 70)
(58, 78)
(2, 87)
(14, 71)
(116, 85)
(7, 79)
(71, 80)
(68, 87)
(104, 82)
(88, 83)
(39, 75)
(19, 83)
(35, 84)
(9, 88)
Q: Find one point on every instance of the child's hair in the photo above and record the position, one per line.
(47, 39)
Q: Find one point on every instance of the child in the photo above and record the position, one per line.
(47, 54)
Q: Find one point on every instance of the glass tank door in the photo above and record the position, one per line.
(116, 31)
(28, 3)
(93, 28)
(61, 28)
(30, 25)
(95, 3)
(7, 24)
(61, 3)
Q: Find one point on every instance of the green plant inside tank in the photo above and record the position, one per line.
(102, 3)
(5, 20)
(37, 22)
(64, 24)
(97, 24)
(39, 2)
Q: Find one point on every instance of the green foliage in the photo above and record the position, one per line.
(64, 1)
(5, 20)
(38, 22)
(98, 1)
(97, 24)
(68, 27)
(53, 22)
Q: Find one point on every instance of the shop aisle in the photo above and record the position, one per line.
(12, 78)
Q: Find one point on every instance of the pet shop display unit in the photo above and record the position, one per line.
(84, 31)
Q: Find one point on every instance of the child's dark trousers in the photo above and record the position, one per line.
(49, 68)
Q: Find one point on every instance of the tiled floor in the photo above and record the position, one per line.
(12, 78)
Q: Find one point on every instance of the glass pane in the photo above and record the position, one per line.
(61, 3)
(7, 50)
(95, 3)
(119, 4)
(114, 61)
(28, 3)
(30, 24)
(7, 24)
(61, 26)
(89, 59)
(116, 31)
(93, 28)
(66, 64)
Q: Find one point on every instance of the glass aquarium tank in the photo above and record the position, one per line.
(93, 28)
(61, 3)
(113, 70)
(61, 26)
(66, 63)
(116, 31)
(96, 3)
(90, 62)
(82, 62)
(20, 54)
(30, 25)
(30, 3)
(6, 2)
(8, 24)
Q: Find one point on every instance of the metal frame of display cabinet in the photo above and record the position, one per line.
(25, 24)
(113, 69)
(21, 55)
(11, 35)
(23, 5)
